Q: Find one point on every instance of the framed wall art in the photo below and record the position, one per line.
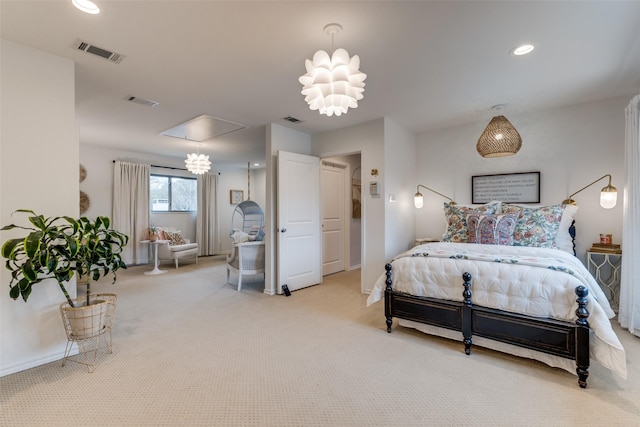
(522, 187)
(236, 196)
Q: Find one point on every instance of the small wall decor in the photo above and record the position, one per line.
(84, 202)
(83, 173)
(356, 194)
(236, 196)
(523, 187)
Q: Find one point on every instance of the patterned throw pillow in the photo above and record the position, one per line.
(456, 217)
(174, 237)
(491, 229)
(536, 227)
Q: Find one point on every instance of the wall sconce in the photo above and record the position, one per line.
(418, 200)
(608, 195)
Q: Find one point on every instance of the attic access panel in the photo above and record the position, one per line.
(202, 128)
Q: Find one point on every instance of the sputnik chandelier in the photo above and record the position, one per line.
(197, 163)
(333, 84)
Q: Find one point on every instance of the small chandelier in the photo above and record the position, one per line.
(499, 139)
(333, 84)
(197, 163)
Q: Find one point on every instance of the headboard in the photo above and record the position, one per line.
(572, 233)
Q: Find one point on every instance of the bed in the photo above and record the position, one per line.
(505, 277)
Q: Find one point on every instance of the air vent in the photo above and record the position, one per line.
(142, 101)
(98, 51)
(292, 119)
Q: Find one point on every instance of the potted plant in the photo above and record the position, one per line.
(59, 247)
(152, 233)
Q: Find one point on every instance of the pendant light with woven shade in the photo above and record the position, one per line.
(499, 139)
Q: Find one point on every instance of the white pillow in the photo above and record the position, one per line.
(239, 236)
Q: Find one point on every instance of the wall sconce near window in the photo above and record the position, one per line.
(608, 195)
(499, 139)
(418, 200)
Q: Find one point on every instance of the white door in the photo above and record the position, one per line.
(332, 187)
(299, 261)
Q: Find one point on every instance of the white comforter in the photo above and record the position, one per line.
(532, 281)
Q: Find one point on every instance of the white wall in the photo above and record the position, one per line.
(367, 139)
(571, 147)
(38, 124)
(99, 187)
(400, 165)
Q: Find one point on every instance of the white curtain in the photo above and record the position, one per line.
(131, 208)
(207, 218)
(629, 311)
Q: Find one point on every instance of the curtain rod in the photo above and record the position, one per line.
(164, 167)
(167, 167)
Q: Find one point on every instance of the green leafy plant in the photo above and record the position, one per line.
(59, 247)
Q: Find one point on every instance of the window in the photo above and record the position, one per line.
(172, 193)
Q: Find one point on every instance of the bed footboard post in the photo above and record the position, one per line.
(387, 296)
(466, 313)
(582, 336)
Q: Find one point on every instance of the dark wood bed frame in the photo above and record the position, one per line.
(550, 336)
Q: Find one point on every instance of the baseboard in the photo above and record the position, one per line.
(24, 365)
(354, 267)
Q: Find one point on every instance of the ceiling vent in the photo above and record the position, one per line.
(292, 119)
(141, 101)
(98, 51)
(202, 128)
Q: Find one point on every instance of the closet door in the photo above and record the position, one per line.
(332, 187)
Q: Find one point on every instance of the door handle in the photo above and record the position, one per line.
(283, 230)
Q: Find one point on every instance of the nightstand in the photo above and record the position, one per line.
(605, 268)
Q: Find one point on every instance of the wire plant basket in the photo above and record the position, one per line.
(89, 327)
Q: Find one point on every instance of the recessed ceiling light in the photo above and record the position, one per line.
(523, 49)
(87, 6)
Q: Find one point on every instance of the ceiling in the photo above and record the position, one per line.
(429, 64)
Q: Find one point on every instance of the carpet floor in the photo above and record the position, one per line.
(188, 350)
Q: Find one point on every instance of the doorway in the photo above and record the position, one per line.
(341, 213)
